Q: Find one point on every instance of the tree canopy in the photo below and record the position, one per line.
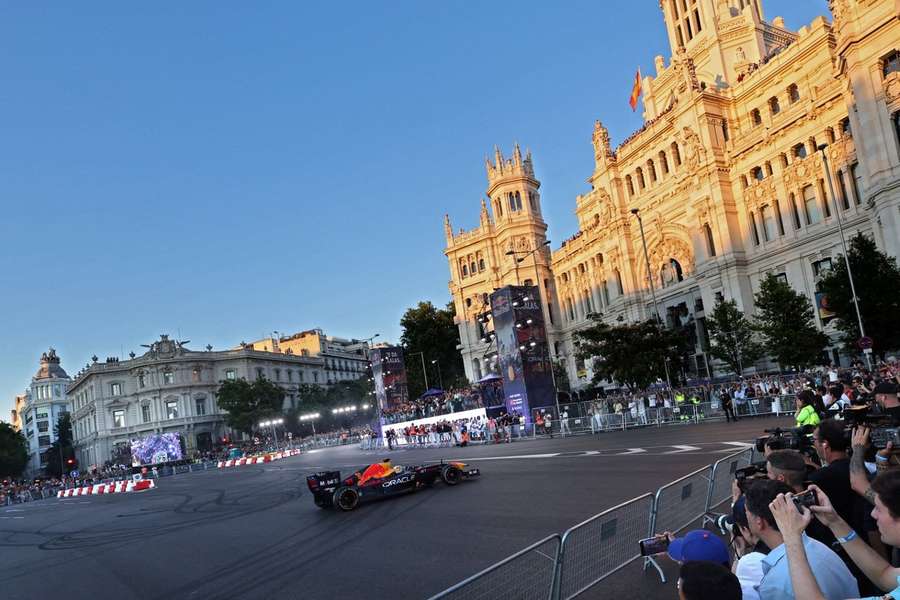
(733, 337)
(246, 403)
(54, 465)
(785, 320)
(877, 281)
(13, 451)
(432, 331)
(633, 354)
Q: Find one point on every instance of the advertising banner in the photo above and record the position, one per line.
(508, 357)
(522, 349)
(389, 372)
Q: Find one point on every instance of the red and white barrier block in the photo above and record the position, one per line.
(257, 460)
(116, 487)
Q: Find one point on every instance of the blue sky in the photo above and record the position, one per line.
(224, 169)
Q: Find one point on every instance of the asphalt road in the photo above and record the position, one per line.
(253, 531)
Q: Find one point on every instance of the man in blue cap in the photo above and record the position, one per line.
(699, 545)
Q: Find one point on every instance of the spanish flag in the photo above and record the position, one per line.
(635, 90)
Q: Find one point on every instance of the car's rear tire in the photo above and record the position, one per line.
(346, 498)
(450, 475)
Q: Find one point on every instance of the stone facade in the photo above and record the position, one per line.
(43, 403)
(725, 174)
(171, 389)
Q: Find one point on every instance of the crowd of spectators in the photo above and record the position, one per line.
(14, 491)
(458, 432)
(820, 518)
(447, 402)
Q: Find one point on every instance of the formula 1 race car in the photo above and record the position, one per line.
(329, 490)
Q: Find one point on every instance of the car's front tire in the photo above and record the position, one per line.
(450, 475)
(346, 498)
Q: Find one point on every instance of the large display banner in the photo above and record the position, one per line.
(389, 372)
(522, 349)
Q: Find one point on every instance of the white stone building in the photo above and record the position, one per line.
(45, 401)
(171, 389)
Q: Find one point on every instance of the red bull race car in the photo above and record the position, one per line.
(381, 480)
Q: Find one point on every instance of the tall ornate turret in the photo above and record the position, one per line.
(448, 230)
(506, 167)
(485, 220)
(603, 154)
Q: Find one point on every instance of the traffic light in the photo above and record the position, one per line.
(70, 461)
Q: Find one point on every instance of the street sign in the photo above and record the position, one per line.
(74, 473)
(865, 343)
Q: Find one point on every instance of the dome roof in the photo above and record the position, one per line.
(50, 368)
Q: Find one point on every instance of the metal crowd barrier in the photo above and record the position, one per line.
(528, 574)
(595, 549)
(588, 553)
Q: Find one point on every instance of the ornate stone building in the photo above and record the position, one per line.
(171, 388)
(44, 401)
(345, 359)
(725, 174)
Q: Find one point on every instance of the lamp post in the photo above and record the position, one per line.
(837, 211)
(637, 213)
(273, 423)
(311, 418)
(424, 371)
(440, 378)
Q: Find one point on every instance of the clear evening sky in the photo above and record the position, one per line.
(219, 170)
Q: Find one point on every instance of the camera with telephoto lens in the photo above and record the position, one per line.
(748, 475)
(783, 439)
(881, 426)
(807, 499)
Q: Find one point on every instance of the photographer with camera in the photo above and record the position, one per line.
(832, 444)
(886, 514)
(832, 577)
(789, 466)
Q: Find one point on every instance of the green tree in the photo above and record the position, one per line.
(877, 281)
(13, 451)
(431, 330)
(63, 444)
(632, 354)
(561, 377)
(733, 339)
(785, 320)
(249, 403)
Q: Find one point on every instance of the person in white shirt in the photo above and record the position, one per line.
(564, 422)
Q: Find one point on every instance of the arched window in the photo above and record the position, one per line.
(465, 271)
(651, 170)
(481, 264)
(800, 151)
(757, 173)
(676, 154)
(531, 201)
(710, 243)
(600, 259)
(499, 205)
(639, 173)
(663, 163)
(468, 302)
(630, 185)
(518, 201)
(618, 276)
(512, 202)
(774, 106)
(676, 267)
(793, 93)
(784, 160)
(473, 268)
(755, 117)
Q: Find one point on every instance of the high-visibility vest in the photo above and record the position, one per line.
(679, 398)
(807, 416)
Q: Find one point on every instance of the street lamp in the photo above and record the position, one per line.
(273, 423)
(526, 254)
(837, 211)
(440, 378)
(637, 213)
(311, 417)
(424, 372)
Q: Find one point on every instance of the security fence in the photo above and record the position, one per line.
(526, 575)
(600, 546)
(591, 551)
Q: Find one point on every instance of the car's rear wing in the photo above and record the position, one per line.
(323, 479)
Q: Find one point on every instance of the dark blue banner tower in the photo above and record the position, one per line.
(522, 351)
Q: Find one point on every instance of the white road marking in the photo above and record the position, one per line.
(631, 451)
(14, 510)
(682, 449)
(738, 444)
